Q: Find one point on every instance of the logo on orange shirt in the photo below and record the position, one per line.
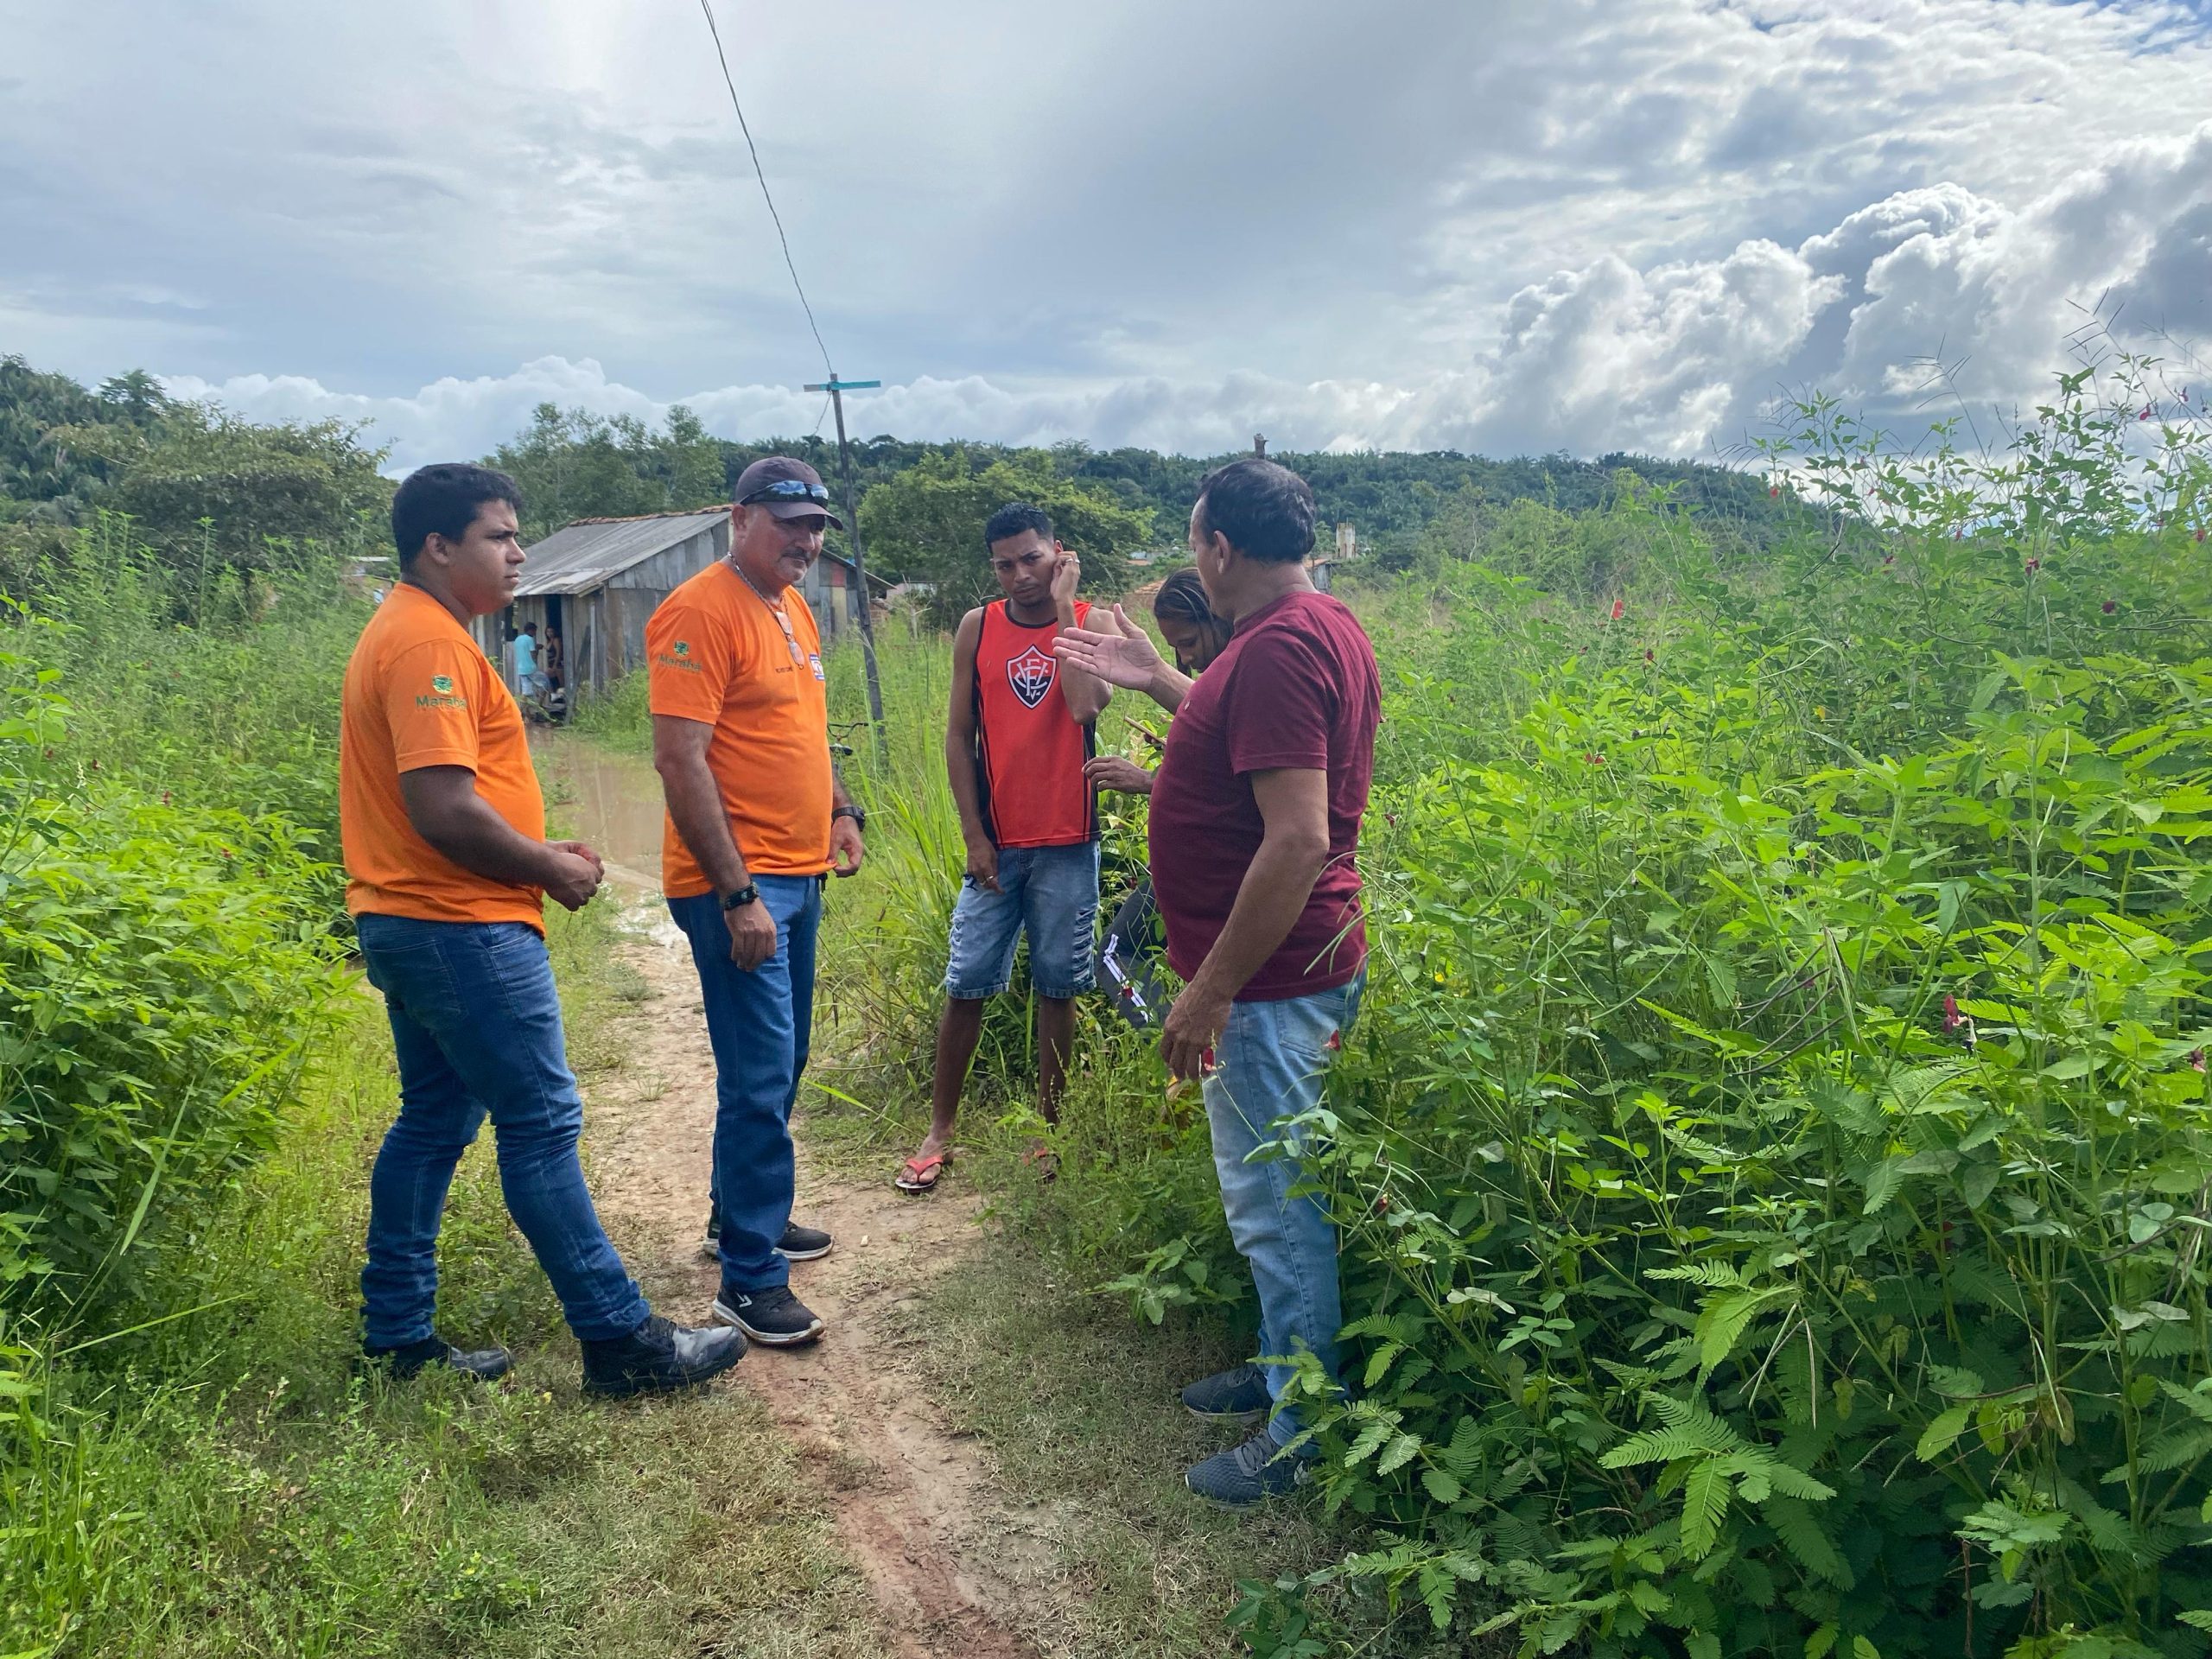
(1030, 675)
(442, 695)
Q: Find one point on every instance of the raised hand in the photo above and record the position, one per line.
(1067, 575)
(1114, 648)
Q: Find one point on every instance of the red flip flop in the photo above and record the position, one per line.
(920, 1175)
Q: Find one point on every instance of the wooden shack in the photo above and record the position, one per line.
(595, 581)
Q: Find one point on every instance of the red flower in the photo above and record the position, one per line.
(1772, 491)
(2145, 415)
(1336, 1041)
(2197, 1060)
(1390, 818)
(2034, 565)
(1649, 657)
(227, 852)
(165, 797)
(1889, 559)
(2200, 535)
(1593, 758)
(1618, 607)
(2109, 607)
(1952, 1018)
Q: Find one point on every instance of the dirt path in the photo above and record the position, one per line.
(952, 1566)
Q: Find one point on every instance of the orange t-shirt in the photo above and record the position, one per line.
(419, 693)
(716, 654)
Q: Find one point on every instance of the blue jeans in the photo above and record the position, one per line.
(477, 1026)
(760, 1023)
(1268, 1064)
(1049, 892)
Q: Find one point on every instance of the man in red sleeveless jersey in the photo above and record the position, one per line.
(1016, 738)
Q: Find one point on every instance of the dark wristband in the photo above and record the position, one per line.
(745, 895)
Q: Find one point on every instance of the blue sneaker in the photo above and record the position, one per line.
(1249, 1474)
(1236, 1395)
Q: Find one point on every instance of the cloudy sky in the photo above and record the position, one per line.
(1511, 226)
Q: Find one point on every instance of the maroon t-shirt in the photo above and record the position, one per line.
(1296, 688)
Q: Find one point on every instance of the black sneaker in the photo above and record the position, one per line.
(485, 1364)
(803, 1243)
(1236, 1395)
(1249, 1474)
(658, 1358)
(773, 1318)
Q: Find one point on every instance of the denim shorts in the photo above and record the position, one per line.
(1049, 892)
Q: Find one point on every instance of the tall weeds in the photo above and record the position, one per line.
(1774, 1165)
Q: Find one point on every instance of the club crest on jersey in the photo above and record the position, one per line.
(1030, 675)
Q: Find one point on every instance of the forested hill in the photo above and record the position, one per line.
(574, 465)
(67, 451)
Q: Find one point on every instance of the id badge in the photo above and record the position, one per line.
(814, 662)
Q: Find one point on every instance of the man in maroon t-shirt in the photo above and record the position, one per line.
(1254, 821)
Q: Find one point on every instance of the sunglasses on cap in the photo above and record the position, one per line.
(787, 489)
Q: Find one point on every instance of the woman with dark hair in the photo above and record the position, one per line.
(1129, 955)
(1197, 636)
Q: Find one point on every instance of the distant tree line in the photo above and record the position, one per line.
(573, 464)
(203, 484)
(207, 491)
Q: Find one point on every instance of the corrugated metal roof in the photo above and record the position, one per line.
(579, 557)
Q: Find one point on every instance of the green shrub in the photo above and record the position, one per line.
(1773, 1163)
(160, 968)
(1773, 1204)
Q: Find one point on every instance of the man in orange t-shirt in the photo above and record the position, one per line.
(444, 835)
(756, 820)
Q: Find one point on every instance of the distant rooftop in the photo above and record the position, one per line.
(588, 552)
(578, 557)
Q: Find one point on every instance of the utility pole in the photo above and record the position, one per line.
(837, 389)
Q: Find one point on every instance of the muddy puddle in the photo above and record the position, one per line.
(605, 797)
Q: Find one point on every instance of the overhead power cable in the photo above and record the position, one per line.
(789, 265)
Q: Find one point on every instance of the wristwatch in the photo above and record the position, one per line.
(745, 895)
(857, 814)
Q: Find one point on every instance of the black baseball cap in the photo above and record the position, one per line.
(787, 488)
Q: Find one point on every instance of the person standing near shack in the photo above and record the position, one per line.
(1018, 733)
(444, 836)
(757, 819)
(1255, 824)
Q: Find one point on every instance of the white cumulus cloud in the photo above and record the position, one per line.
(1677, 358)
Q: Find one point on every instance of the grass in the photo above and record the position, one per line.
(226, 1485)
(1078, 1404)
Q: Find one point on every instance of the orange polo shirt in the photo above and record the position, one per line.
(419, 693)
(716, 654)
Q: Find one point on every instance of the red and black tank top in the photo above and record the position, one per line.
(1029, 751)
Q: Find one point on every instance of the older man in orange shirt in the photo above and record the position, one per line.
(756, 820)
(444, 835)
